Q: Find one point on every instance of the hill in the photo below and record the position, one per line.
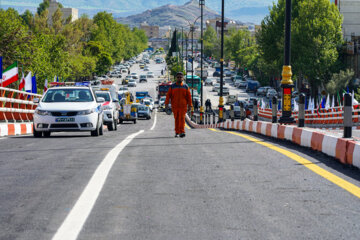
(172, 15)
(244, 10)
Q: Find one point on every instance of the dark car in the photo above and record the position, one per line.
(216, 74)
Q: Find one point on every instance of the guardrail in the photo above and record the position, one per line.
(332, 116)
(16, 106)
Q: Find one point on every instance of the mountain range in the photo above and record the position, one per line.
(243, 10)
(170, 15)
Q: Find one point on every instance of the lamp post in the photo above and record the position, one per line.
(221, 100)
(286, 82)
(192, 28)
(202, 3)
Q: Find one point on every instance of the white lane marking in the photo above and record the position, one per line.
(153, 126)
(75, 220)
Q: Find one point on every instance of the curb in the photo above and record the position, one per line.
(346, 151)
(12, 129)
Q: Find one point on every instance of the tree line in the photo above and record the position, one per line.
(71, 50)
(317, 46)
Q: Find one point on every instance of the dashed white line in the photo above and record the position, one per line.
(153, 126)
(75, 220)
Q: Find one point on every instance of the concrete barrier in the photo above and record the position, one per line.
(345, 150)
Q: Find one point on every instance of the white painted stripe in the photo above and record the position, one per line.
(306, 138)
(254, 126)
(274, 130)
(329, 145)
(75, 220)
(4, 130)
(29, 127)
(246, 125)
(356, 156)
(288, 133)
(263, 128)
(17, 128)
(153, 126)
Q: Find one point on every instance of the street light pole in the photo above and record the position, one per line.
(202, 3)
(286, 82)
(221, 100)
(192, 65)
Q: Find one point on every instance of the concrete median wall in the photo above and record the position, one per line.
(347, 151)
(12, 129)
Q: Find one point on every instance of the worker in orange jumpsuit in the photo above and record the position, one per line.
(180, 98)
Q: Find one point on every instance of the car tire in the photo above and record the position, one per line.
(47, 134)
(115, 124)
(96, 132)
(101, 129)
(37, 134)
(110, 126)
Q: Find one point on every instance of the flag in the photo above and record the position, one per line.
(45, 85)
(0, 67)
(279, 104)
(33, 84)
(57, 78)
(296, 106)
(54, 78)
(28, 83)
(353, 100)
(323, 102)
(339, 99)
(333, 102)
(347, 89)
(22, 82)
(327, 104)
(306, 103)
(10, 75)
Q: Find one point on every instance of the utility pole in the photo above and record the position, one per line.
(202, 3)
(286, 82)
(221, 100)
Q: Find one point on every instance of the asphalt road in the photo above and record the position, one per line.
(208, 185)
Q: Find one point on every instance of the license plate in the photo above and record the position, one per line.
(65, 120)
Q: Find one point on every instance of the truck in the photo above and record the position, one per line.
(162, 89)
(141, 95)
(252, 86)
(204, 72)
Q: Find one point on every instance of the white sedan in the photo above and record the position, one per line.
(68, 109)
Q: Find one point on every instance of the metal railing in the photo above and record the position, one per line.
(16, 106)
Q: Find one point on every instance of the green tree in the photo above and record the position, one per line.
(316, 37)
(339, 81)
(211, 42)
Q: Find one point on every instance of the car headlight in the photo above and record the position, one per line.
(41, 112)
(87, 112)
(107, 107)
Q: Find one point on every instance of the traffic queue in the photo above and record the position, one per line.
(91, 105)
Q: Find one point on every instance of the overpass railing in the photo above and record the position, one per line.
(16, 106)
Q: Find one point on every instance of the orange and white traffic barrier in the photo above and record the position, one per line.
(13, 129)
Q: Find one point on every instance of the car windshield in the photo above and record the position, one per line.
(142, 76)
(142, 108)
(68, 95)
(146, 102)
(106, 96)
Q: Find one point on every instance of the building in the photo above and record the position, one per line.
(66, 12)
(228, 24)
(350, 9)
(151, 31)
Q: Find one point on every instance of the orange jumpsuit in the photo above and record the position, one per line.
(180, 98)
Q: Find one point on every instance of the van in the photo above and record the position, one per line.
(230, 99)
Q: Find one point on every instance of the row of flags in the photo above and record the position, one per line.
(324, 103)
(28, 83)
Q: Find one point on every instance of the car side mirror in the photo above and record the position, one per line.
(100, 100)
(36, 100)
